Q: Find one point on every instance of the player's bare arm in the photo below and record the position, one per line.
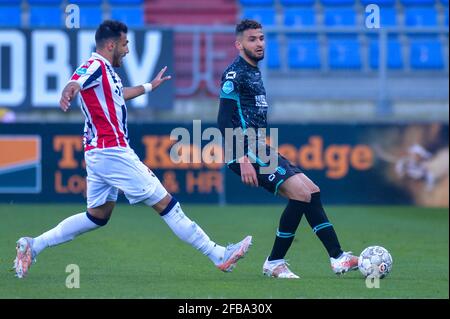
(248, 172)
(67, 95)
(135, 91)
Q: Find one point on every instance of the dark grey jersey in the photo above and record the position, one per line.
(243, 83)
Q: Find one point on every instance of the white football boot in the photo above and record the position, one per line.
(233, 253)
(24, 256)
(278, 269)
(344, 263)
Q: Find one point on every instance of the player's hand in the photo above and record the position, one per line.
(67, 96)
(160, 79)
(248, 174)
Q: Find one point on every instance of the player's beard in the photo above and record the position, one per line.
(253, 57)
(117, 59)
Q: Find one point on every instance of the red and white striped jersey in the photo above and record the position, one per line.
(102, 103)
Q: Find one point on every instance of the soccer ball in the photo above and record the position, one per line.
(375, 261)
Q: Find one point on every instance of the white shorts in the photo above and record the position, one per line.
(111, 169)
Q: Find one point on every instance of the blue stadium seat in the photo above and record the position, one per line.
(10, 2)
(90, 16)
(394, 54)
(379, 2)
(45, 16)
(344, 54)
(297, 2)
(388, 16)
(90, 2)
(265, 16)
(257, 2)
(299, 17)
(303, 54)
(446, 18)
(337, 2)
(420, 17)
(125, 2)
(426, 54)
(10, 16)
(444, 2)
(131, 16)
(41, 2)
(418, 2)
(273, 52)
(340, 17)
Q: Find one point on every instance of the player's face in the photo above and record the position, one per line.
(120, 50)
(253, 44)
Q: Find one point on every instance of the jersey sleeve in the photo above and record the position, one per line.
(88, 75)
(229, 88)
(227, 108)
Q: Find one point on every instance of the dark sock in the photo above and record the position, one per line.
(289, 221)
(317, 219)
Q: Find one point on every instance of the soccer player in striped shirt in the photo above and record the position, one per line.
(110, 162)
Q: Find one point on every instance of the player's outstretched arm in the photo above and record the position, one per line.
(135, 91)
(67, 95)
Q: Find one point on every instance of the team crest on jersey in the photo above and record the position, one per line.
(230, 75)
(81, 71)
(228, 87)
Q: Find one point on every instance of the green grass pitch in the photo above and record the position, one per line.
(137, 256)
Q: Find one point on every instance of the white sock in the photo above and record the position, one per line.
(191, 233)
(65, 231)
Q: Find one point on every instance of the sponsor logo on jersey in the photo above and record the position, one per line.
(228, 87)
(230, 75)
(81, 71)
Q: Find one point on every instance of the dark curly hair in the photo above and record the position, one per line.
(109, 29)
(247, 24)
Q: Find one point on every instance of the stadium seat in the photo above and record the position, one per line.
(444, 2)
(418, 2)
(379, 2)
(335, 17)
(90, 16)
(45, 16)
(299, 17)
(2, 2)
(257, 2)
(125, 2)
(344, 54)
(388, 16)
(10, 16)
(41, 2)
(90, 2)
(394, 54)
(132, 16)
(297, 2)
(265, 16)
(337, 2)
(303, 54)
(426, 54)
(420, 17)
(273, 52)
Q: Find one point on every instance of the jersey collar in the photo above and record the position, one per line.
(245, 62)
(96, 55)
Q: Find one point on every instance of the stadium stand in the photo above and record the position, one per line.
(132, 16)
(178, 12)
(45, 16)
(10, 15)
(189, 69)
(332, 36)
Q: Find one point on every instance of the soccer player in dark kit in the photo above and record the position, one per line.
(243, 107)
